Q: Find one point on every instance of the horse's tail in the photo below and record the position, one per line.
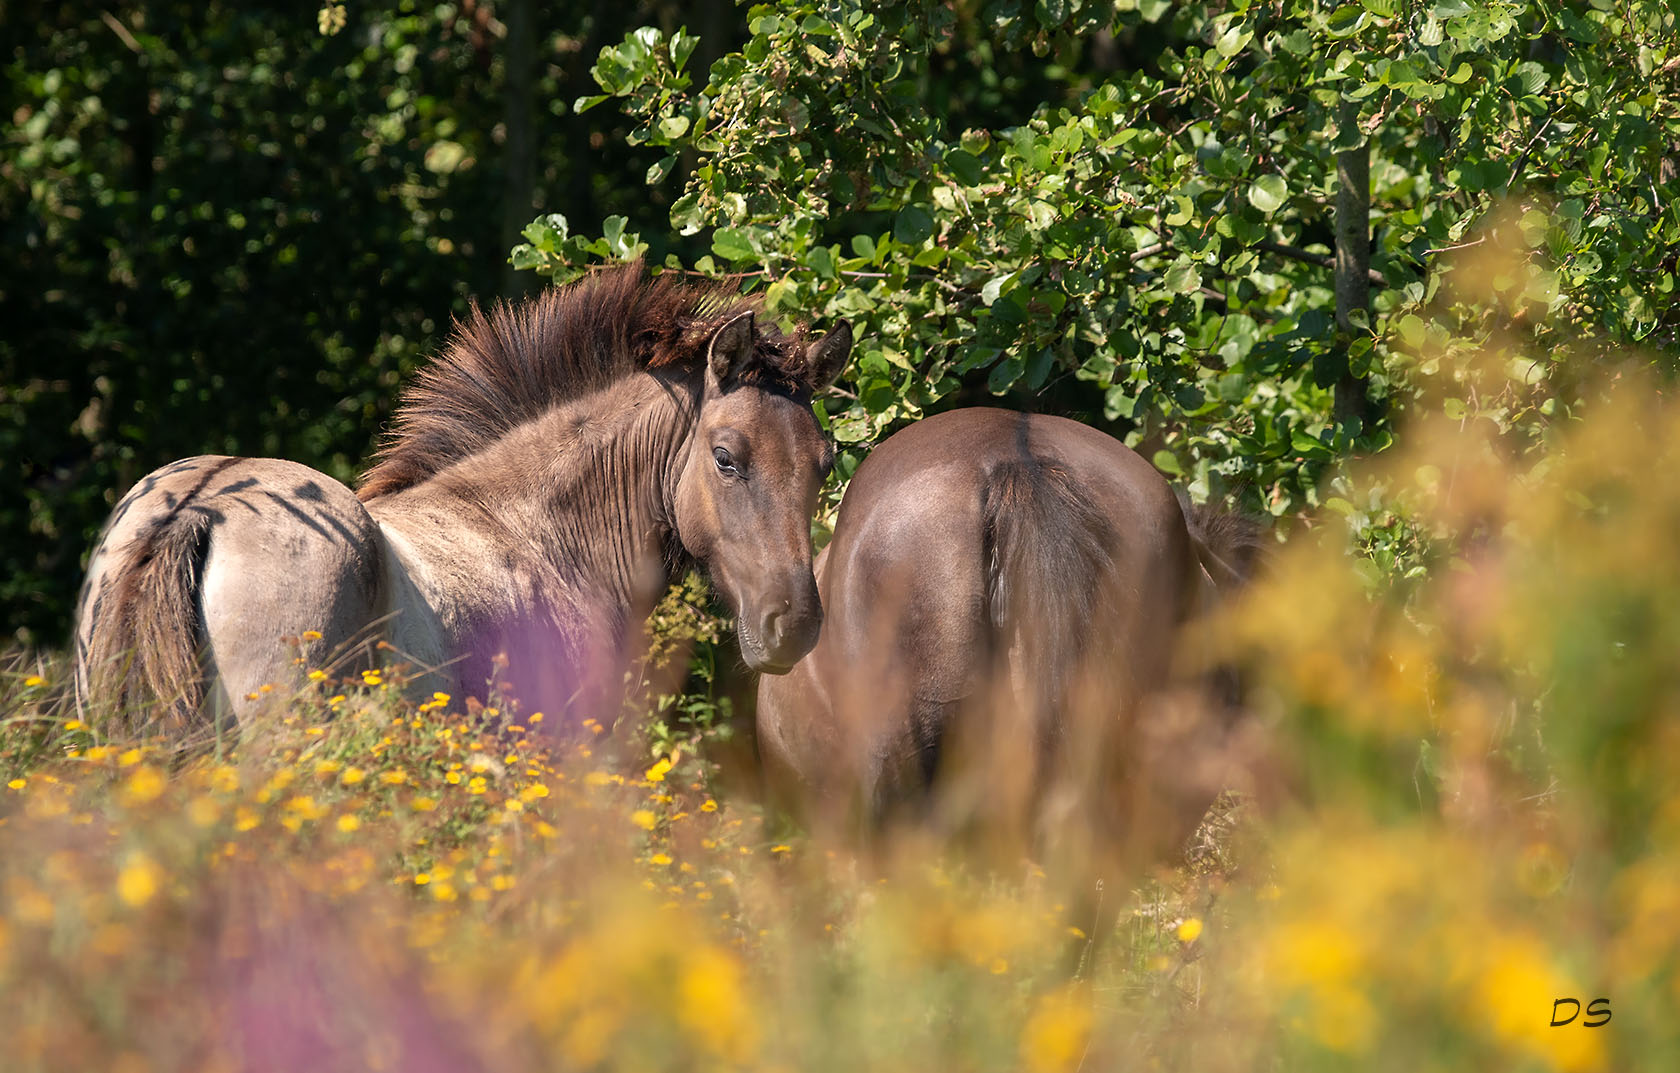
(142, 651)
(1228, 545)
(1047, 558)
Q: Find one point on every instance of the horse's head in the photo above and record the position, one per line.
(749, 484)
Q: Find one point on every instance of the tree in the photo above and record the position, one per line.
(1154, 249)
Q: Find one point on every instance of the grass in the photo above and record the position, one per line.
(1480, 815)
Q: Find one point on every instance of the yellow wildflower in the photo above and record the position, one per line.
(423, 804)
(74, 724)
(1055, 1035)
(311, 635)
(660, 859)
(317, 675)
(533, 792)
(1189, 930)
(33, 681)
(394, 778)
(138, 880)
(708, 805)
(477, 785)
(130, 758)
(16, 784)
(146, 784)
(352, 776)
(644, 819)
(513, 804)
(781, 849)
(657, 772)
(348, 823)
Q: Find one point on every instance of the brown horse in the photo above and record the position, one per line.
(546, 477)
(1004, 595)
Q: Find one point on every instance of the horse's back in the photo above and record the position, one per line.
(225, 556)
(972, 546)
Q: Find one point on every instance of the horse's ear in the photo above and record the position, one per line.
(731, 347)
(826, 358)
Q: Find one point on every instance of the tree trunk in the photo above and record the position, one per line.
(1353, 260)
(520, 179)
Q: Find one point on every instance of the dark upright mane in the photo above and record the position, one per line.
(513, 364)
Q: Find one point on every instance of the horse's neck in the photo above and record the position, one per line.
(563, 521)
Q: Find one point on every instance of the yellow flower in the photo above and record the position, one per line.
(317, 675)
(203, 811)
(423, 804)
(453, 778)
(656, 773)
(1055, 1035)
(74, 724)
(348, 823)
(660, 859)
(422, 878)
(372, 678)
(644, 819)
(708, 805)
(513, 804)
(502, 882)
(441, 698)
(394, 778)
(352, 775)
(444, 892)
(781, 849)
(534, 717)
(130, 758)
(138, 880)
(146, 784)
(1189, 930)
(533, 792)
(477, 785)
(17, 784)
(33, 681)
(244, 819)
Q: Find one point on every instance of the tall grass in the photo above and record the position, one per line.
(1480, 815)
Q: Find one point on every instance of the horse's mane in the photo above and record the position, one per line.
(503, 368)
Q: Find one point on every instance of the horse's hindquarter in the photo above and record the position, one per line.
(291, 551)
(262, 550)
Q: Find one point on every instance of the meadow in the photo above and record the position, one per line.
(1470, 808)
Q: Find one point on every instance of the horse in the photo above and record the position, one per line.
(544, 478)
(1004, 599)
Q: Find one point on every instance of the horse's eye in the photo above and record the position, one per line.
(725, 463)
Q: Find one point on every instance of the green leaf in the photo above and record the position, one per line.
(964, 166)
(913, 226)
(1182, 278)
(1268, 193)
(732, 244)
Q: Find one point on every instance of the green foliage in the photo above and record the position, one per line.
(1152, 252)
